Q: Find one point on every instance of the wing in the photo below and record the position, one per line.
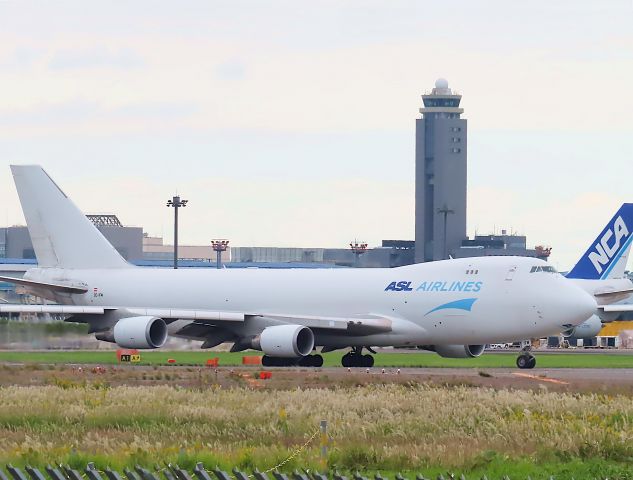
(164, 313)
(357, 325)
(361, 325)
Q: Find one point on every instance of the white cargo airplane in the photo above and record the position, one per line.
(454, 307)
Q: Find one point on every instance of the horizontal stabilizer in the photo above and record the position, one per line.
(617, 308)
(55, 287)
(55, 309)
(612, 296)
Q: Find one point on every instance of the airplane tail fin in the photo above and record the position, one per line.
(608, 254)
(62, 236)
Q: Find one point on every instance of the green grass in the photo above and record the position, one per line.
(413, 359)
(491, 465)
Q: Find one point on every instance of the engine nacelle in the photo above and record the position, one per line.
(459, 351)
(587, 329)
(137, 332)
(285, 341)
(608, 317)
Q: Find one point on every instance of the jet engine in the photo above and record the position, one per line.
(285, 341)
(137, 332)
(587, 329)
(459, 351)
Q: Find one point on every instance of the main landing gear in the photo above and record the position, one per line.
(526, 360)
(307, 361)
(355, 358)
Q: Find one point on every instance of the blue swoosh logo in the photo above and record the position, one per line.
(464, 304)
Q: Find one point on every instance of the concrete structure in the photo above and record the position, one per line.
(440, 175)
(495, 245)
(134, 246)
(155, 249)
(15, 241)
(392, 253)
(276, 254)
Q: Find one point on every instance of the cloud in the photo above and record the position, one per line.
(20, 58)
(250, 82)
(83, 115)
(270, 212)
(231, 70)
(59, 113)
(95, 57)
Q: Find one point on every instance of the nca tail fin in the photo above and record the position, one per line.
(608, 254)
(62, 236)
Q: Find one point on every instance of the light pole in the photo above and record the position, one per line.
(358, 249)
(219, 246)
(176, 202)
(445, 210)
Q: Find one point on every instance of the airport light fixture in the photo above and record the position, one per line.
(176, 202)
(219, 246)
(358, 249)
(445, 211)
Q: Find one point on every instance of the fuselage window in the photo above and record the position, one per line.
(541, 268)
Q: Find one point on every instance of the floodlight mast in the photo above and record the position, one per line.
(358, 249)
(219, 246)
(176, 202)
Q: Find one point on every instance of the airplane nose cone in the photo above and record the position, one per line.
(578, 306)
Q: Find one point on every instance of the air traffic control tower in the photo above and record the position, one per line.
(440, 175)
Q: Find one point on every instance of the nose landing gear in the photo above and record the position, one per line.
(355, 358)
(526, 360)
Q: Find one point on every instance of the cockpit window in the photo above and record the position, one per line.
(543, 268)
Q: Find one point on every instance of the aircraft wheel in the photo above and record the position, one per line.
(532, 362)
(526, 361)
(290, 362)
(268, 361)
(311, 361)
(346, 360)
(317, 360)
(367, 361)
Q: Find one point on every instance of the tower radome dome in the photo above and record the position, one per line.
(441, 84)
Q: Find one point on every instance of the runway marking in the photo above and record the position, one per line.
(541, 379)
(251, 381)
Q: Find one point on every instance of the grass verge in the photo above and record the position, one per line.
(409, 428)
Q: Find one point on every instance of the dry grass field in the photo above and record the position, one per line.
(413, 427)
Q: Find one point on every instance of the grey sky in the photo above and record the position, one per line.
(292, 123)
